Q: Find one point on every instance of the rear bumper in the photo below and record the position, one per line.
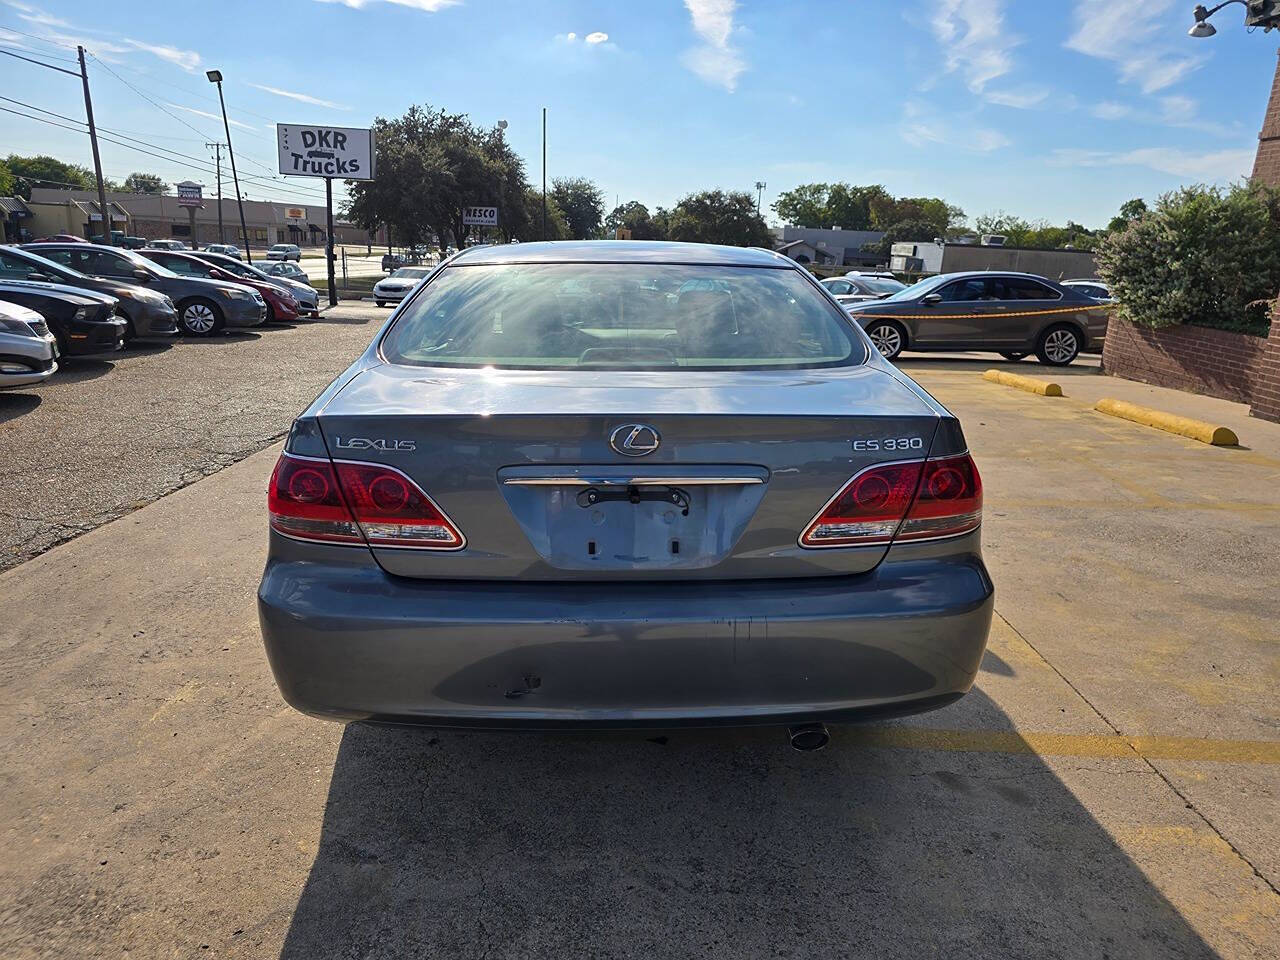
(349, 642)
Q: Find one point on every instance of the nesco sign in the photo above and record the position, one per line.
(313, 151)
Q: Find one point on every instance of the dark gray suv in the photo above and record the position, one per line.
(204, 306)
(149, 313)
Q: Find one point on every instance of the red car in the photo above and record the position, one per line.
(281, 306)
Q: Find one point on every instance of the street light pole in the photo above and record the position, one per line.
(97, 161)
(544, 173)
(215, 76)
(760, 185)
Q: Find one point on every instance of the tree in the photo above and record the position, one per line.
(1015, 230)
(45, 171)
(557, 227)
(7, 183)
(582, 203)
(147, 183)
(1130, 211)
(1203, 255)
(431, 165)
(634, 216)
(717, 216)
(805, 205)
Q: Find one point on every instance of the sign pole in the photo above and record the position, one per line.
(328, 214)
(191, 217)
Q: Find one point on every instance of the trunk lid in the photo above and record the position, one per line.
(522, 462)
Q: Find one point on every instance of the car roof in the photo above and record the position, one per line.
(74, 246)
(54, 290)
(623, 251)
(966, 274)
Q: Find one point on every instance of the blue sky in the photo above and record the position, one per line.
(1048, 109)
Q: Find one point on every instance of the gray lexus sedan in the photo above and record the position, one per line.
(623, 484)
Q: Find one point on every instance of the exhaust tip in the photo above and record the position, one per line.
(808, 736)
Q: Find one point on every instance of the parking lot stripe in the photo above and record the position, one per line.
(1067, 744)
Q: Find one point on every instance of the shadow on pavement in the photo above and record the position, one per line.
(14, 403)
(715, 843)
(77, 369)
(223, 338)
(357, 320)
(1030, 367)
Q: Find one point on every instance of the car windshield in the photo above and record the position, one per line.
(634, 316)
(146, 264)
(43, 265)
(919, 288)
(411, 273)
(881, 285)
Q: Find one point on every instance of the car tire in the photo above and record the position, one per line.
(199, 317)
(381, 303)
(130, 331)
(888, 336)
(271, 314)
(1058, 345)
(1013, 356)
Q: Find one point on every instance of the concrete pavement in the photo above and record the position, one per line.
(1107, 789)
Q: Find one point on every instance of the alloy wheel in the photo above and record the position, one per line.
(198, 318)
(1061, 346)
(887, 340)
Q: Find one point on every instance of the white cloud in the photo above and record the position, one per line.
(301, 97)
(1022, 98)
(1217, 165)
(1110, 110)
(715, 60)
(1129, 34)
(923, 132)
(596, 37)
(427, 6)
(210, 116)
(188, 60)
(973, 39)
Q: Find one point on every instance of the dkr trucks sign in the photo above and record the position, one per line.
(309, 151)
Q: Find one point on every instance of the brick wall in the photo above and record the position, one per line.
(1266, 166)
(1266, 391)
(1200, 359)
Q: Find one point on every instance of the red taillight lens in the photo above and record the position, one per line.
(868, 509)
(305, 502)
(313, 499)
(393, 510)
(949, 501)
(921, 500)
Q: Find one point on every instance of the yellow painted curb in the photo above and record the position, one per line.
(1043, 387)
(1169, 422)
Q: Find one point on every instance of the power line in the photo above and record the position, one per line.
(39, 63)
(39, 53)
(205, 168)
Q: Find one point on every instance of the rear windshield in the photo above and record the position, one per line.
(633, 316)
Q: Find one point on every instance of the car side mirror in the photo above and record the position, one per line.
(141, 275)
(929, 299)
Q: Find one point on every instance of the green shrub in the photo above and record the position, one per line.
(1204, 256)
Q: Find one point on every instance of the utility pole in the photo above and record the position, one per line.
(760, 185)
(217, 159)
(97, 160)
(544, 173)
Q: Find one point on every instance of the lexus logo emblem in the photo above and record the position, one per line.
(634, 439)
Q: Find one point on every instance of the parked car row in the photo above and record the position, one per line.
(90, 298)
(1013, 314)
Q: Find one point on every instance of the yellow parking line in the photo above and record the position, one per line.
(1066, 744)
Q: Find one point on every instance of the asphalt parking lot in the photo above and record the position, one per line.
(1109, 787)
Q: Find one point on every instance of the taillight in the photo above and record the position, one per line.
(394, 511)
(948, 503)
(343, 502)
(305, 502)
(916, 500)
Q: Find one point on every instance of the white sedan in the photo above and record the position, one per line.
(399, 285)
